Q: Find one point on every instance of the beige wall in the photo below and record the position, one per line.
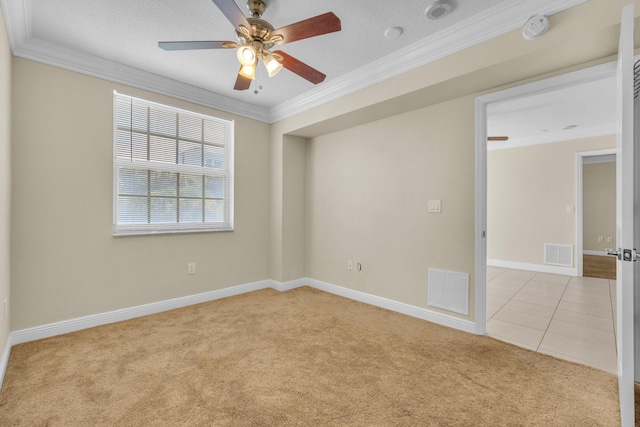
(347, 216)
(5, 180)
(65, 262)
(294, 209)
(528, 192)
(367, 195)
(599, 201)
(287, 210)
(300, 211)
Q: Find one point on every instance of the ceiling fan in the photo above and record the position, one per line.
(256, 37)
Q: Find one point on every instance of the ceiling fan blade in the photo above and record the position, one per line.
(497, 138)
(300, 68)
(242, 82)
(190, 45)
(233, 13)
(316, 26)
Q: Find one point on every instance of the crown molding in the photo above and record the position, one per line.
(496, 21)
(50, 54)
(475, 30)
(18, 23)
(15, 21)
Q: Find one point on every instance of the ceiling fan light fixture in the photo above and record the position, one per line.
(272, 65)
(255, 37)
(247, 55)
(248, 71)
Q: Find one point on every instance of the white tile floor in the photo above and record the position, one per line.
(571, 318)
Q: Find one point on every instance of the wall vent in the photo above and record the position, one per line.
(556, 254)
(449, 290)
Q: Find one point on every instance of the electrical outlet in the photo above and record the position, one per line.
(609, 239)
(191, 268)
(349, 265)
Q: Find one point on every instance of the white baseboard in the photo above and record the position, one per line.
(399, 307)
(540, 268)
(287, 286)
(4, 361)
(597, 253)
(72, 325)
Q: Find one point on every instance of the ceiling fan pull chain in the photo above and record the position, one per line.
(258, 80)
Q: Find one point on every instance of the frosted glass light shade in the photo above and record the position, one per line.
(248, 71)
(246, 55)
(272, 65)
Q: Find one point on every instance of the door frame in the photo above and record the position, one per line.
(580, 157)
(551, 84)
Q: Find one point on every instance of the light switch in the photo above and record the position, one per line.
(600, 239)
(571, 209)
(435, 206)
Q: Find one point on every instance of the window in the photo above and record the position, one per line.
(173, 169)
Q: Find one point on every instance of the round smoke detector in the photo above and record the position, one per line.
(440, 9)
(535, 27)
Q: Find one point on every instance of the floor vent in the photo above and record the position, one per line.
(449, 290)
(556, 254)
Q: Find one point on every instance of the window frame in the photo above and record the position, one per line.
(226, 172)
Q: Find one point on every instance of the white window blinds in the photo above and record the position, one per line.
(173, 169)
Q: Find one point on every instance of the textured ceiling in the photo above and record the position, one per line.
(128, 31)
(577, 111)
(117, 40)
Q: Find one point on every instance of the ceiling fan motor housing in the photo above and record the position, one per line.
(260, 30)
(257, 7)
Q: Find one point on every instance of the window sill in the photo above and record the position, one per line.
(142, 232)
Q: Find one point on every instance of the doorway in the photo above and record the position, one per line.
(507, 292)
(596, 215)
(540, 305)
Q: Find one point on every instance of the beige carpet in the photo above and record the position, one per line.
(302, 357)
